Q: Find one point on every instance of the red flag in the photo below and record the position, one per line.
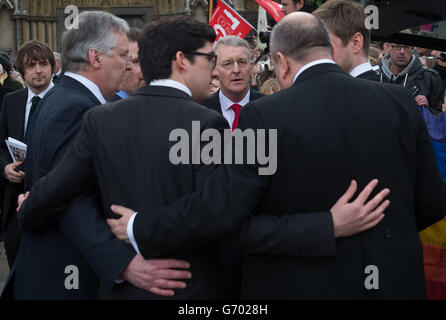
(226, 21)
(273, 9)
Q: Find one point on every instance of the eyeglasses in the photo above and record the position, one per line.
(212, 57)
(229, 64)
(398, 47)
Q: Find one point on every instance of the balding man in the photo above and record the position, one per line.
(331, 128)
(324, 139)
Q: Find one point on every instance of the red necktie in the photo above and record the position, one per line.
(237, 108)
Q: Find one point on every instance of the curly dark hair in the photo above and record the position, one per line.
(160, 41)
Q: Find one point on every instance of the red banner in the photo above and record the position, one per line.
(273, 9)
(226, 21)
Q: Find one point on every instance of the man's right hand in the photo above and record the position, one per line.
(12, 175)
(158, 276)
(350, 218)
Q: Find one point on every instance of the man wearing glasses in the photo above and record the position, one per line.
(234, 70)
(133, 78)
(401, 66)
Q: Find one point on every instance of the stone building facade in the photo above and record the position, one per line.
(44, 20)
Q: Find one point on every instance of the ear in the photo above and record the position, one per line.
(94, 57)
(357, 42)
(180, 62)
(333, 48)
(284, 66)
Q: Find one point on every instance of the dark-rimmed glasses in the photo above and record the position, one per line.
(398, 47)
(212, 57)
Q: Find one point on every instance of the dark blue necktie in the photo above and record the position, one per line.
(34, 101)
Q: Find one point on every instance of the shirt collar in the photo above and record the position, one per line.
(309, 65)
(360, 69)
(93, 87)
(123, 94)
(172, 84)
(226, 103)
(40, 95)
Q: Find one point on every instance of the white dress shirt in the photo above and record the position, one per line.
(361, 68)
(93, 87)
(309, 65)
(172, 84)
(29, 102)
(226, 104)
(165, 83)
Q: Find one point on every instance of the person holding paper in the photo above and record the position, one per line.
(35, 62)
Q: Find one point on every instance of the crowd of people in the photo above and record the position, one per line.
(356, 176)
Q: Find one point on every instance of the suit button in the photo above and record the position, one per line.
(387, 233)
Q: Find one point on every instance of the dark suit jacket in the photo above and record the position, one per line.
(12, 118)
(369, 75)
(113, 98)
(331, 128)
(12, 122)
(214, 101)
(134, 169)
(81, 238)
(232, 261)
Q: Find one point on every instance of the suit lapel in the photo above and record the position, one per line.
(18, 109)
(215, 102)
(73, 83)
(253, 95)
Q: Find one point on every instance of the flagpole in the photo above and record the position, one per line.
(211, 8)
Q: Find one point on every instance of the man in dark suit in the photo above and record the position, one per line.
(349, 36)
(234, 70)
(331, 128)
(35, 62)
(67, 260)
(167, 103)
(158, 115)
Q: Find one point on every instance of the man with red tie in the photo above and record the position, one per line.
(234, 69)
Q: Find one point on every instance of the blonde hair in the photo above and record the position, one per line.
(270, 86)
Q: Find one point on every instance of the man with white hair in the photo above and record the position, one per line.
(70, 258)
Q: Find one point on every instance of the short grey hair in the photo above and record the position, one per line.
(298, 37)
(95, 31)
(234, 41)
